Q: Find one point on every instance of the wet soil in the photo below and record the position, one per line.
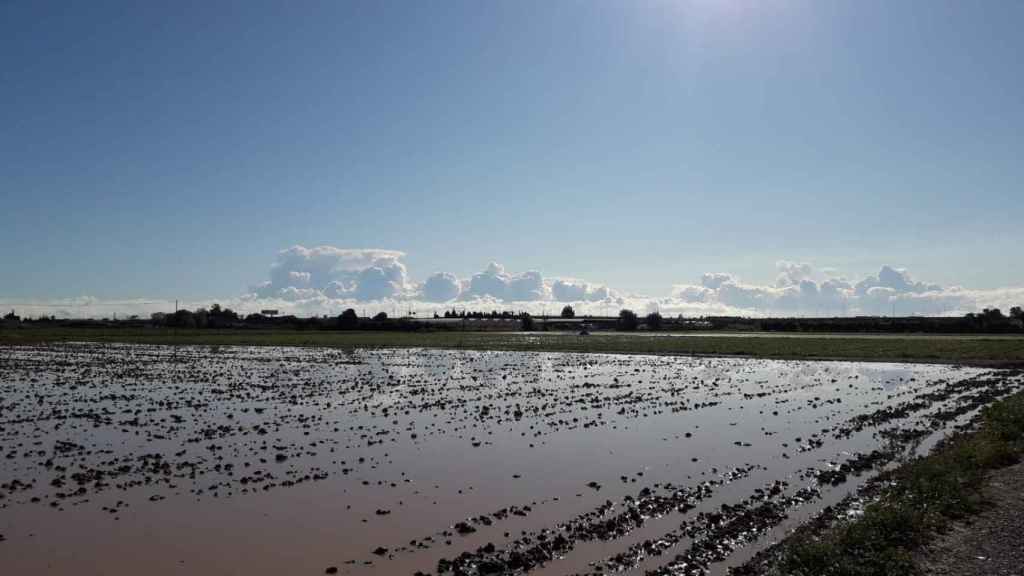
(129, 459)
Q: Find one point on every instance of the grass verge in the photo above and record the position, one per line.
(917, 500)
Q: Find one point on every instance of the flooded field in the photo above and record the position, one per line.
(127, 459)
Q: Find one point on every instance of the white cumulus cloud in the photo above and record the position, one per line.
(363, 274)
(441, 287)
(327, 279)
(801, 289)
(328, 273)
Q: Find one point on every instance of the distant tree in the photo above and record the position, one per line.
(181, 319)
(653, 321)
(381, 316)
(993, 314)
(202, 317)
(526, 322)
(220, 317)
(627, 320)
(1017, 312)
(348, 319)
(568, 312)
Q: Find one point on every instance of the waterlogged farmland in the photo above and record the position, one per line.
(130, 459)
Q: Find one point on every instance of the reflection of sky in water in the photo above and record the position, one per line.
(438, 434)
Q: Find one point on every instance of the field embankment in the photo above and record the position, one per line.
(915, 523)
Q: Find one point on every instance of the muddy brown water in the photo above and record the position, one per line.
(121, 459)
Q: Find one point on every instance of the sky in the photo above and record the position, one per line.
(208, 150)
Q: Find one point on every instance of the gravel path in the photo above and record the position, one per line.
(992, 544)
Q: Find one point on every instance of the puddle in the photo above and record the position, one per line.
(120, 459)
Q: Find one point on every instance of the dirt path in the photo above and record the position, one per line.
(992, 544)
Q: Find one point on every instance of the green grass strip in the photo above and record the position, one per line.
(991, 350)
(924, 497)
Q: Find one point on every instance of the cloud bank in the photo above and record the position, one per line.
(302, 273)
(370, 275)
(332, 275)
(801, 289)
(327, 279)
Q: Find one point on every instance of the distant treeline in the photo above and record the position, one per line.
(217, 317)
(989, 321)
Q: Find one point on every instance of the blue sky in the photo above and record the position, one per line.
(173, 149)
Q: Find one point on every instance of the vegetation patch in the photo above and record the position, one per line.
(993, 350)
